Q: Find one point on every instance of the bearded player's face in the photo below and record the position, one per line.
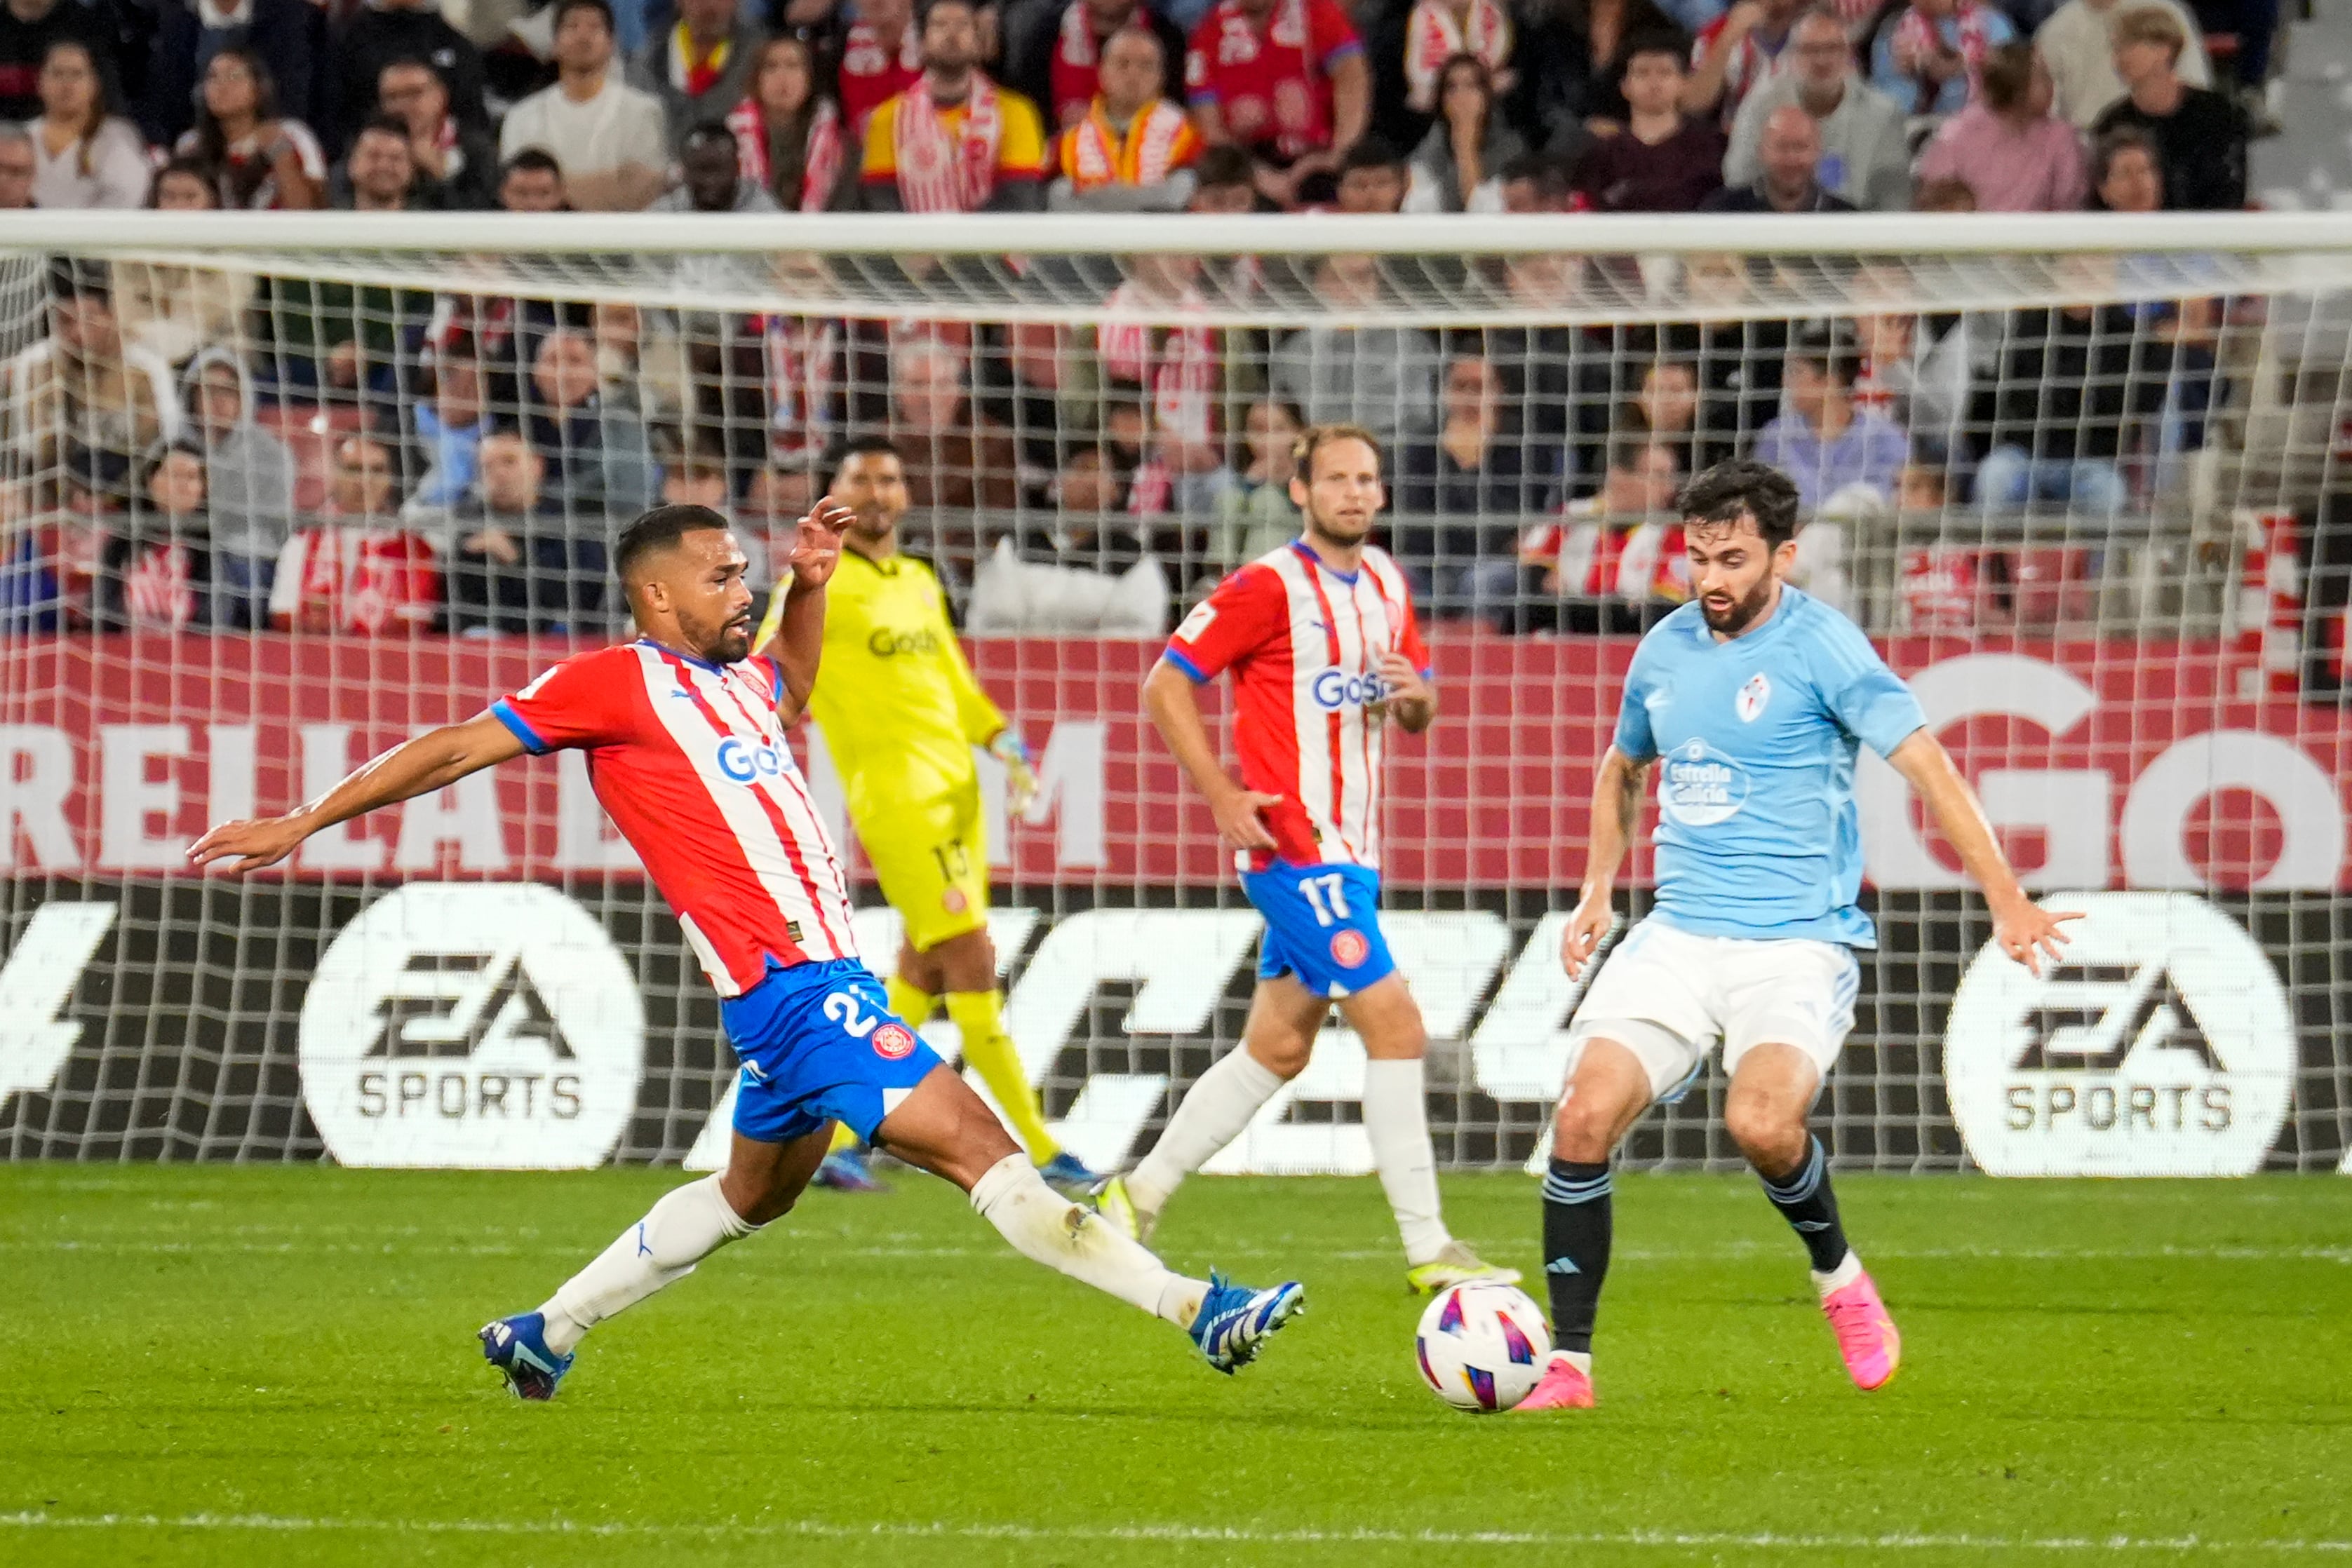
(874, 486)
(1733, 573)
(699, 585)
(1343, 493)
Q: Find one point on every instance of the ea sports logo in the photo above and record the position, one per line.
(1349, 948)
(893, 1041)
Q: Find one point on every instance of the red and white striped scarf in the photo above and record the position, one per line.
(941, 171)
(1917, 37)
(1433, 35)
(1175, 364)
(802, 356)
(820, 158)
(159, 586)
(1093, 155)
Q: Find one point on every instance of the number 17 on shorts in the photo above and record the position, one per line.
(1322, 925)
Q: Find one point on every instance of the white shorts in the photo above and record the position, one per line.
(1668, 995)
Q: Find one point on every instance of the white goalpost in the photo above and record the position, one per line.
(278, 489)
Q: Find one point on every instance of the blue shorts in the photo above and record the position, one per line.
(1322, 924)
(819, 1043)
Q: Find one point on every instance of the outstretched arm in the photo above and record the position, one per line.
(414, 768)
(1616, 813)
(1175, 710)
(2025, 931)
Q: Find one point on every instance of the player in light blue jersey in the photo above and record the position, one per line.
(1750, 703)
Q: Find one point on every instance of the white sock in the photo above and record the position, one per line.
(1579, 1359)
(1396, 1120)
(1839, 1278)
(1048, 1228)
(1212, 1115)
(686, 1226)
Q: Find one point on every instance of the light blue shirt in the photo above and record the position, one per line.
(1755, 740)
(1870, 451)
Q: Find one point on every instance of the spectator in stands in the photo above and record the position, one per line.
(1461, 495)
(955, 456)
(1225, 181)
(352, 568)
(955, 141)
(1287, 80)
(531, 181)
(1575, 58)
(700, 67)
(82, 397)
(2065, 393)
(28, 29)
(1930, 57)
(788, 131)
(1866, 153)
(2127, 173)
(2077, 46)
(1458, 168)
(2007, 148)
(1663, 411)
(447, 426)
(459, 159)
(1737, 53)
(881, 56)
(176, 310)
(1920, 372)
(156, 571)
(1788, 158)
(250, 479)
(1538, 183)
(1131, 149)
(287, 38)
(383, 32)
(85, 156)
(1373, 180)
(609, 137)
(1383, 378)
(596, 454)
(1438, 32)
(1824, 442)
(521, 561)
(380, 175)
(2199, 135)
(19, 161)
(1663, 160)
(1614, 561)
(1254, 514)
(1059, 62)
(712, 178)
(259, 159)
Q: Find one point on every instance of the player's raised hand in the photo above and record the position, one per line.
(2029, 933)
(1238, 819)
(816, 548)
(248, 844)
(1588, 927)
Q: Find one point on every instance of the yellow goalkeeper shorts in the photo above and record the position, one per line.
(932, 863)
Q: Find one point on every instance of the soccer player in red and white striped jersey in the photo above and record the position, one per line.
(1325, 652)
(684, 736)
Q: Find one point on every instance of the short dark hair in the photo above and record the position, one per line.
(1550, 175)
(1226, 166)
(658, 530)
(1742, 488)
(2123, 139)
(709, 131)
(1833, 346)
(837, 456)
(534, 160)
(1315, 437)
(1655, 41)
(602, 8)
(390, 125)
(1371, 152)
(411, 63)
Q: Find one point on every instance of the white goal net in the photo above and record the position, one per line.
(277, 490)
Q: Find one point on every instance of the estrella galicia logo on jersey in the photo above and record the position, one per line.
(2162, 1045)
(893, 1041)
(1338, 689)
(1700, 786)
(472, 1025)
(1349, 948)
(884, 643)
(1752, 697)
(749, 761)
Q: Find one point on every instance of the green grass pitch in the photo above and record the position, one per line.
(257, 1366)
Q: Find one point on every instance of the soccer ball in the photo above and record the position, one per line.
(1481, 1346)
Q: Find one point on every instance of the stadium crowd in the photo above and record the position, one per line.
(191, 446)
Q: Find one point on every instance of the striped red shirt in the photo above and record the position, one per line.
(691, 765)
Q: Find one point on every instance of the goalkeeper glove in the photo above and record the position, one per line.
(1020, 774)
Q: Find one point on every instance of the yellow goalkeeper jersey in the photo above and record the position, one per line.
(898, 706)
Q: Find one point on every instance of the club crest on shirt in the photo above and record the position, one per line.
(1752, 697)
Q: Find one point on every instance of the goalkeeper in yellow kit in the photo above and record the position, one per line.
(901, 712)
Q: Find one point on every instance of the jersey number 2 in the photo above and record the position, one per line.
(842, 1009)
(1328, 895)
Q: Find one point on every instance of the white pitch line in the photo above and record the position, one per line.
(1180, 1535)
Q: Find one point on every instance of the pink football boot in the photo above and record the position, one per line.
(1563, 1387)
(1865, 1334)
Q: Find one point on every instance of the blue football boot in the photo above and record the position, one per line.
(1235, 1320)
(517, 1346)
(1068, 1175)
(845, 1170)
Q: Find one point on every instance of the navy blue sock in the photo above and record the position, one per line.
(1806, 1202)
(1576, 1248)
